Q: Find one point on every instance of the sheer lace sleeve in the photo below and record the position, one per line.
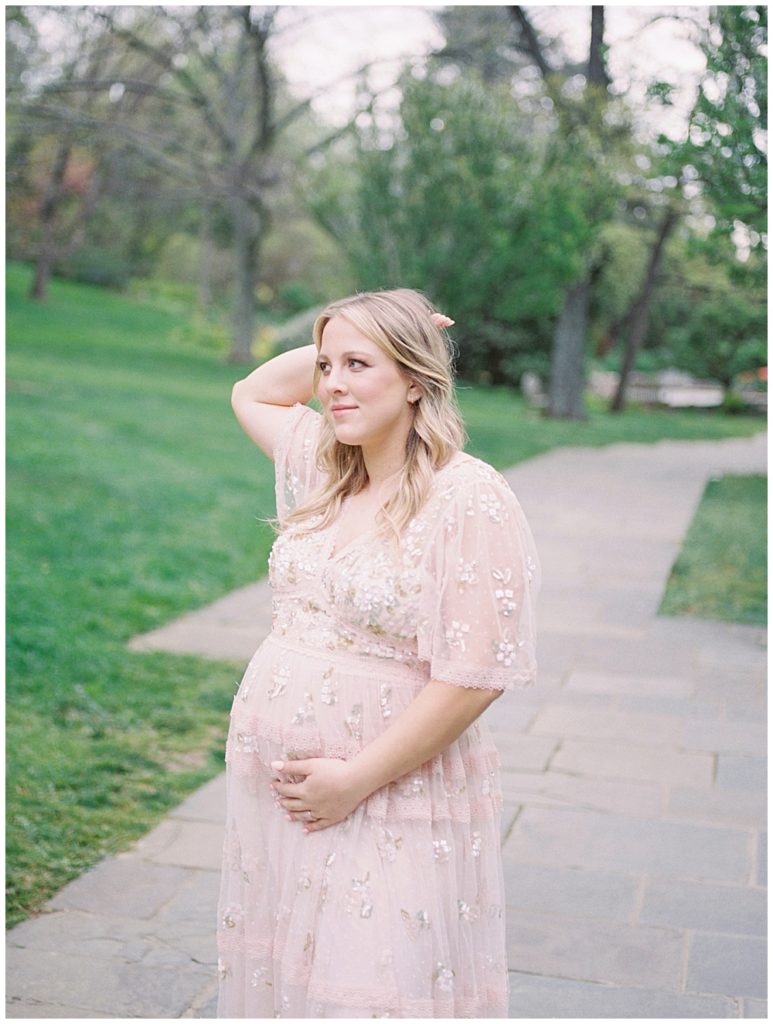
(481, 578)
(295, 464)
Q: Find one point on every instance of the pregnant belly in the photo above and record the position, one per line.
(295, 702)
(315, 703)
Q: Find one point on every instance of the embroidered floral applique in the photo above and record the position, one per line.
(466, 574)
(456, 634)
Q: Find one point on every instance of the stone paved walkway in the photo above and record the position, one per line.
(634, 774)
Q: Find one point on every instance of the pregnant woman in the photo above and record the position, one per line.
(362, 872)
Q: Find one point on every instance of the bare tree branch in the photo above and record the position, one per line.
(533, 48)
(141, 140)
(164, 60)
(305, 104)
(264, 137)
(521, 19)
(143, 88)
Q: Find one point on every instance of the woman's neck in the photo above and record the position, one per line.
(383, 465)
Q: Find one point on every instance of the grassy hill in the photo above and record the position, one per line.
(132, 496)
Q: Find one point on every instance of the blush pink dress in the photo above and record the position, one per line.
(399, 910)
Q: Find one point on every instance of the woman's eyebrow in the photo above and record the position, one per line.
(345, 355)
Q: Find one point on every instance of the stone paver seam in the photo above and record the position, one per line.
(565, 676)
(737, 1003)
(746, 1004)
(159, 943)
(556, 749)
(688, 940)
(31, 1001)
(209, 989)
(511, 826)
(754, 840)
(185, 883)
(207, 994)
(638, 899)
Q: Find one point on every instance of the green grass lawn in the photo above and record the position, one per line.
(721, 571)
(132, 496)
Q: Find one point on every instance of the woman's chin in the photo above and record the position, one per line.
(345, 434)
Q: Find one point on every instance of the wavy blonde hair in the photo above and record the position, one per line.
(398, 321)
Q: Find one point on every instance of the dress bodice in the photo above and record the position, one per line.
(454, 597)
(365, 597)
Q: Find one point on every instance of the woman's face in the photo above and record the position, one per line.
(364, 393)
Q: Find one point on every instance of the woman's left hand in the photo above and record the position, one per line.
(328, 790)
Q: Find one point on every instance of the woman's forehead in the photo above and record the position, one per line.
(340, 332)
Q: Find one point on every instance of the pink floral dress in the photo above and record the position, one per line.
(399, 910)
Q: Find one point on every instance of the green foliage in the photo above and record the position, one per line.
(721, 570)
(296, 296)
(701, 320)
(724, 336)
(96, 265)
(725, 151)
(726, 140)
(623, 257)
(733, 404)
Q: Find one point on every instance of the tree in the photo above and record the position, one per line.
(722, 164)
(50, 164)
(583, 136)
(726, 336)
(727, 136)
(637, 317)
(195, 92)
(445, 204)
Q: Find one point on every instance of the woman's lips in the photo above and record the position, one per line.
(340, 410)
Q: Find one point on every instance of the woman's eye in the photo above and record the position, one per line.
(322, 366)
(358, 362)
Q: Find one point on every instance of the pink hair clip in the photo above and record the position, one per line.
(441, 320)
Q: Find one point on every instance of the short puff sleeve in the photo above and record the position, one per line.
(480, 580)
(295, 459)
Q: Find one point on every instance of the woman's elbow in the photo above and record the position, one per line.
(237, 393)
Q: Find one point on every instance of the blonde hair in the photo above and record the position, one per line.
(399, 322)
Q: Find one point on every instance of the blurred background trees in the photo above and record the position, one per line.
(162, 149)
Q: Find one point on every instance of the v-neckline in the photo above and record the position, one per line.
(332, 555)
(334, 535)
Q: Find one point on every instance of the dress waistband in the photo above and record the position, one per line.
(368, 663)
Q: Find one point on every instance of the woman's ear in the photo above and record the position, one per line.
(414, 394)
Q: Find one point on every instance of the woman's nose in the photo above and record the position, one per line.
(334, 382)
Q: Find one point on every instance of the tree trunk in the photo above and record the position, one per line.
(204, 291)
(638, 316)
(47, 254)
(597, 73)
(566, 364)
(246, 244)
(43, 268)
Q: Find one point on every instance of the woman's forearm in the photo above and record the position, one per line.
(283, 380)
(432, 721)
(330, 788)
